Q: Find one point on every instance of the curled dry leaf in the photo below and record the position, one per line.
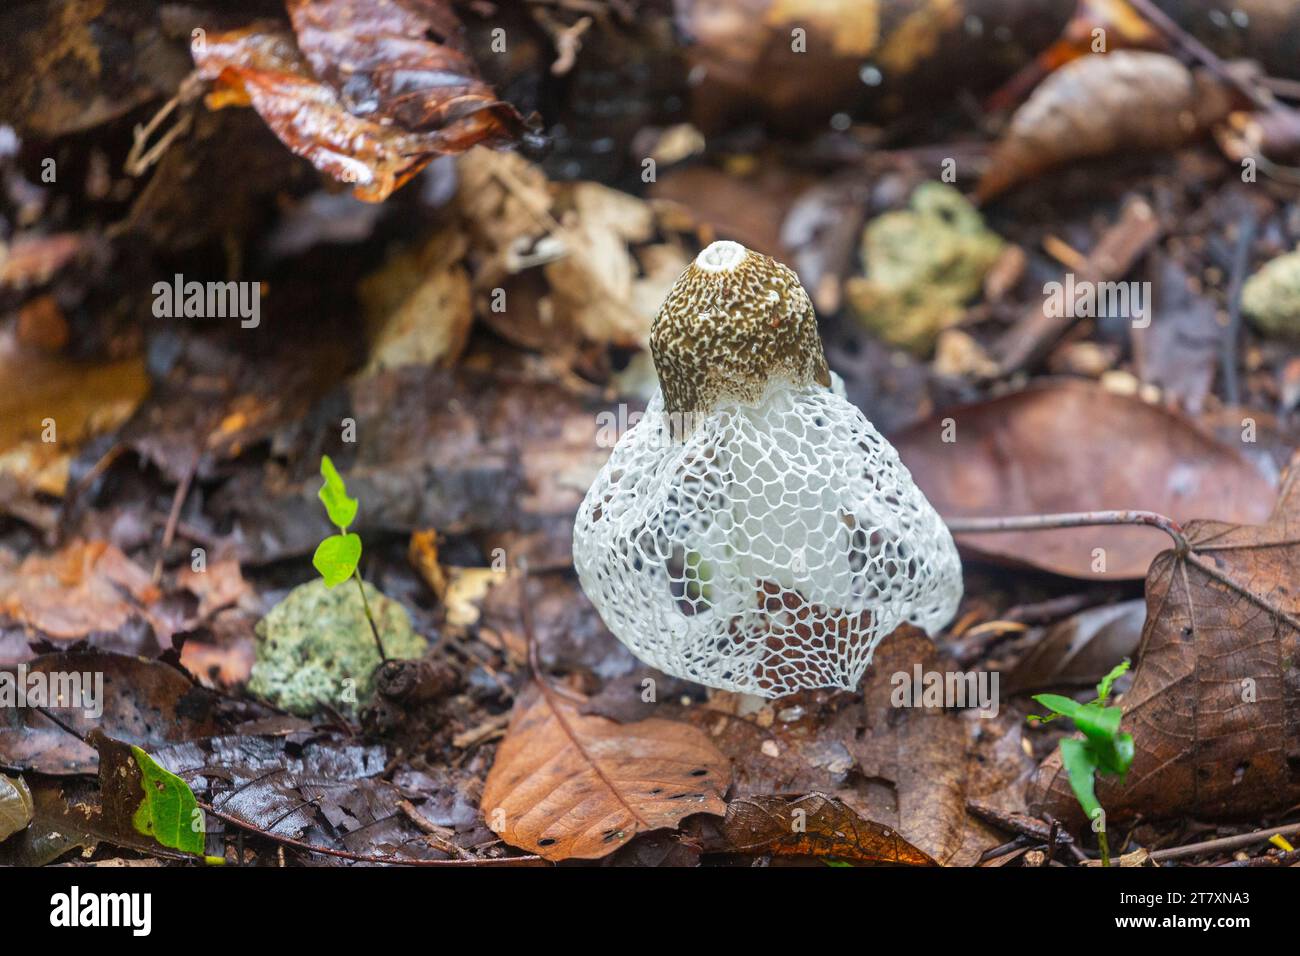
(262, 65)
(1073, 446)
(565, 785)
(418, 306)
(1215, 705)
(1097, 105)
(816, 825)
(561, 264)
(1081, 649)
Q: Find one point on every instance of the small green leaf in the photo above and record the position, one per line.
(1081, 765)
(337, 557)
(1063, 706)
(1117, 756)
(168, 813)
(334, 496)
(1103, 689)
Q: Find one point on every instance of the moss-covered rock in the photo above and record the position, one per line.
(1271, 297)
(923, 264)
(315, 647)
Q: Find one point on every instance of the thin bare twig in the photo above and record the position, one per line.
(141, 155)
(1195, 48)
(1074, 519)
(1224, 843)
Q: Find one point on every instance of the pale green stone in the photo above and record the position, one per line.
(316, 648)
(1271, 297)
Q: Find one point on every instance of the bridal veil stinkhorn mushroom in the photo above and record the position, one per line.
(753, 531)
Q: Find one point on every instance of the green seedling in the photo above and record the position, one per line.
(338, 556)
(1103, 748)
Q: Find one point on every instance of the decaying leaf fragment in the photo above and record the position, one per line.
(816, 825)
(89, 586)
(566, 785)
(1215, 705)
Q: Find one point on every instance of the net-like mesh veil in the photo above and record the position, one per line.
(767, 551)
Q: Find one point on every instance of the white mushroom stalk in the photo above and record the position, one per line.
(753, 531)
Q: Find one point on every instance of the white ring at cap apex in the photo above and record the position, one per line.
(721, 256)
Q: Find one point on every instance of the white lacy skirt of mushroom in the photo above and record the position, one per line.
(769, 551)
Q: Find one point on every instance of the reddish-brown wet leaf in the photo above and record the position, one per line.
(1097, 105)
(1073, 446)
(262, 65)
(1215, 705)
(401, 61)
(816, 825)
(565, 785)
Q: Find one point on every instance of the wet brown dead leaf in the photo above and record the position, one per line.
(569, 786)
(146, 703)
(403, 62)
(261, 65)
(817, 825)
(1215, 705)
(1073, 446)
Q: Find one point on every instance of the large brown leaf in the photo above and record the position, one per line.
(567, 786)
(1073, 446)
(1215, 704)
